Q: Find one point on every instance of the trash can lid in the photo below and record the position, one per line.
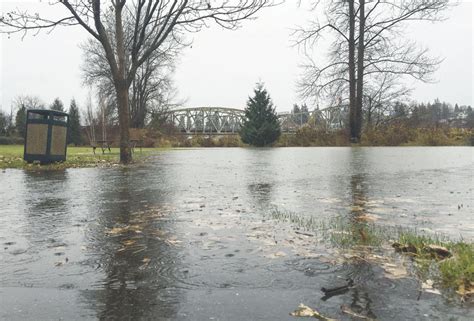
(47, 112)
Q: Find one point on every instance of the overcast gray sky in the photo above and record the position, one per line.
(222, 66)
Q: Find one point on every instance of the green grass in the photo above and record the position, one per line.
(11, 156)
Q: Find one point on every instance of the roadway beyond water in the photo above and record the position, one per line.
(187, 236)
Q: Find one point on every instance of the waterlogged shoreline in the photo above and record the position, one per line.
(11, 156)
(233, 234)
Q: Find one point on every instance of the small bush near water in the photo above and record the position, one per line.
(399, 134)
(389, 135)
(11, 140)
(310, 136)
(208, 141)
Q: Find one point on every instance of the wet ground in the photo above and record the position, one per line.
(187, 236)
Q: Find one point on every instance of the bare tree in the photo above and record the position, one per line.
(376, 29)
(4, 123)
(21, 104)
(380, 97)
(153, 23)
(151, 83)
(90, 121)
(28, 101)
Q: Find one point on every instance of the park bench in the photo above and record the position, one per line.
(103, 144)
(136, 143)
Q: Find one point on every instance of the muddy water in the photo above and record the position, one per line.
(187, 235)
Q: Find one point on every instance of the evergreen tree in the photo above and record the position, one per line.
(305, 112)
(445, 111)
(20, 121)
(3, 123)
(261, 126)
(456, 109)
(470, 117)
(57, 105)
(74, 130)
(296, 109)
(296, 114)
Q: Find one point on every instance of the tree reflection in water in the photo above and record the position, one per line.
(131, 249)
(360, 271)
(47, 212)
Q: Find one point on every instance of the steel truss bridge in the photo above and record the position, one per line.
(223, 120)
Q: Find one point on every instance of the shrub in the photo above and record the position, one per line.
(11, 140)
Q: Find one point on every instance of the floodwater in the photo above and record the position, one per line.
(187, 236)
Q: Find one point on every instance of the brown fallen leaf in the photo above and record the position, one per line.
(357, 208)
(275, 255)
(121, 230)
(465, 291)
(117, 230)
(394, 271)
(405, 248)
(347, 310)
(427, 286)
(173, 242)
(438, 251)
(129, 242)
(367, 218)
(305, 311)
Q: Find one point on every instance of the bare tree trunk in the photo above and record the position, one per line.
(369, 113)
(360, 71)
(352, 78)
(122, 90)
(124, 124)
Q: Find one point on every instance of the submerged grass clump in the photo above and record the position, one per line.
(339, 231)
(455, 268)
(450, 263)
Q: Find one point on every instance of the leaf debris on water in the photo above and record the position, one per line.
(427, 286)
(394, 271)
(305, 311)
(128, 242)
(348, 310)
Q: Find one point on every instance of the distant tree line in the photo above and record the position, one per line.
(382, 112)
(429, 114)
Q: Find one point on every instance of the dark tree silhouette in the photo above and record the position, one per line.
(74, 130)
(57, 105)
(20, 121)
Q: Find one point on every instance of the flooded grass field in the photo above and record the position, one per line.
(205, 234)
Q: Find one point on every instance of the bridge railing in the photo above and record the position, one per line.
(220, 120)
(206, 119)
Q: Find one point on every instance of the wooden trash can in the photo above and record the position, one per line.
(46, 136)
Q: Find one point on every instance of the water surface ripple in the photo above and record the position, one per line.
(186, 236)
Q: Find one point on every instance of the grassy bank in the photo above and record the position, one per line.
(307, 136)
(11, 156)
(391, 135)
